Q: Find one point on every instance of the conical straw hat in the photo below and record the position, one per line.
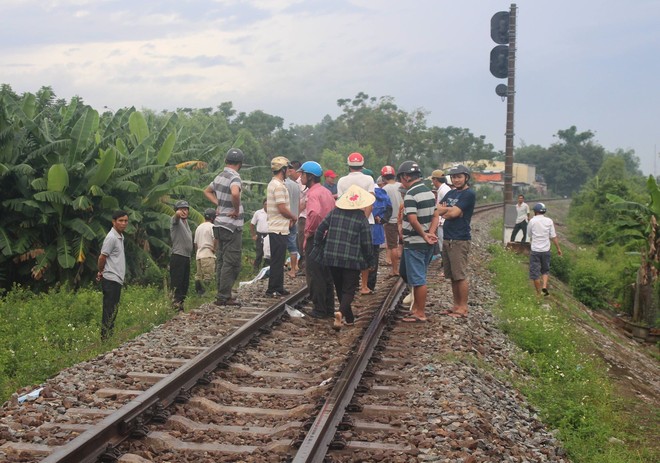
(355, 198)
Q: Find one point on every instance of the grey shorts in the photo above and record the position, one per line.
(539, 264)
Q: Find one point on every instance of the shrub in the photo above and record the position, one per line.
(590, 281)
(560, 266)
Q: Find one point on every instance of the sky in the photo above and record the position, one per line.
(594, 64)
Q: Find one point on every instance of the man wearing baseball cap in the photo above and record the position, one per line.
(330, 184)
(391, 227)
(356, 177)
(225, 194)
(182, 248)
(280, 220)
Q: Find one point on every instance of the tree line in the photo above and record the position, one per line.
(65, 167)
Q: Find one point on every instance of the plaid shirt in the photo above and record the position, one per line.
(348, 240)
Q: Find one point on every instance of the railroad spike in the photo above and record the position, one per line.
(205, 379)
(110, 455)
(354, 407)
(182, 397)
(159, 414)
(337, 444)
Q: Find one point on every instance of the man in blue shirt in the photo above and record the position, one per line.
(456, 208)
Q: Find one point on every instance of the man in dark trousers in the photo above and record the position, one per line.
(112, 270)
(225, 193)
(182, 248)
(280, 221)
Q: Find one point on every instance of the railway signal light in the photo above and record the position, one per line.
(499, 61)
(501, 90)
(499, 27)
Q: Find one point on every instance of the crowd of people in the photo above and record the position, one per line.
(333, 229)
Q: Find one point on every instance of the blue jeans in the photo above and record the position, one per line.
(413, 265)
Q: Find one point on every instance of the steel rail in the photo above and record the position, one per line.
(317, 441)
(319, 437)
(102, 438)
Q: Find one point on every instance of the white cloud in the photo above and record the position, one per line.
(586, 63)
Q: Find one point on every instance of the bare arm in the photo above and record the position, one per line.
(286, 212)
(101, 266)
(556, 241)
(428, 237)
(433, 228)
(235, 199)
(210, 195)
(451, 212)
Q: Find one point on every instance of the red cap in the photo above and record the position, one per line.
(355, 160)
(387, 170)
(329, 173)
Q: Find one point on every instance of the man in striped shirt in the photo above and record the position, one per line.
(280, 221)
(420, 223)
(225, 193)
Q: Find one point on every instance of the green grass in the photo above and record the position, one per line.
(567, 384)
(41, 334)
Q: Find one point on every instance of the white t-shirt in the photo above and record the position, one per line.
(260, 221)
(360, 179)
(522, 211)
(392, 190)
(204, 240)
(443, 189)
(541, 230)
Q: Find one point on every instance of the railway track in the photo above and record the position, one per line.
(256, 384)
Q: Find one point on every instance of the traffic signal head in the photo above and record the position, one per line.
(499, 61)
(499, 27)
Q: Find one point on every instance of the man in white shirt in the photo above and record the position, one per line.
(205, 254)
(522, 216)
(441, 189)
(259, 231)
(541, 231)
(391, 187)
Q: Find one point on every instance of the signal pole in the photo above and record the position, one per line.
(503, 66)
(510, 100)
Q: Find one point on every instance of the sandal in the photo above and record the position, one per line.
(414, 319)
(337, 323)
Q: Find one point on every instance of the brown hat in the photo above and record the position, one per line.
(278, 163)
(355, 198)
(436, 174)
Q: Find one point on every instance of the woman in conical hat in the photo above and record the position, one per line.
(348, 248)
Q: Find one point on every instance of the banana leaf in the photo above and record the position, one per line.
(104, 168)
(58, 178)
(64, 253)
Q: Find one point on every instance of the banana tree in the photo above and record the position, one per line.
(639, 226)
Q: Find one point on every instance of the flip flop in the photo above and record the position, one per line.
(458, 314)
(414, 319)
(367, 293)
(451, 310)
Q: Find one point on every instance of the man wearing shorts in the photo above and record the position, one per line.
(456, 208)
(541, 231)
(419, 224)
(391, 227)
